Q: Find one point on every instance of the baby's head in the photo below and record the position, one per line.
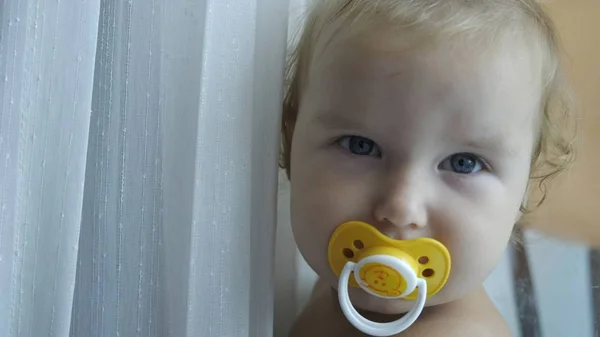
(423, 118)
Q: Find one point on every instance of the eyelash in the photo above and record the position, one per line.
(484, 165)
(375, 147)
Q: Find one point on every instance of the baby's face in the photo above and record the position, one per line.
(432, 143)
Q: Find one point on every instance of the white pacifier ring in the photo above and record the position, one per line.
(374, 328)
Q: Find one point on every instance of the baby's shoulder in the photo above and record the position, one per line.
(322, 317)
(451, 322)
(476, 316)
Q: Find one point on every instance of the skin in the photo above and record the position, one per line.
(433, 142)
(473, 315)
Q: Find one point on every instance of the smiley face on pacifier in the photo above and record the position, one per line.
(361, 256)
(382, 280)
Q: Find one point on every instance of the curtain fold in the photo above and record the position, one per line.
(117, 292)
(47, 52)
(138, 148)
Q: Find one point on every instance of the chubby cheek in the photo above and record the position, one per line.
(476, 240)
(319, 203)
(322, 198)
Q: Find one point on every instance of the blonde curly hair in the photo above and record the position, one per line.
(422, 21)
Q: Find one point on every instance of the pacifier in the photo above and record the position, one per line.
(361, 256)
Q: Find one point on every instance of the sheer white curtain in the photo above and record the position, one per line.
(138, 145)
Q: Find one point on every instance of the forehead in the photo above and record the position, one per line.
(459, 84)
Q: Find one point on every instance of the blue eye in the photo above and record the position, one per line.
(360, 146)
(462, 163)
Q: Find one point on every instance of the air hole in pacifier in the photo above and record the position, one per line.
(428, 272)
(348, 253)
(358, 244)
(423, 260)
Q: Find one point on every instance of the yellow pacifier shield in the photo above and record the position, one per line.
(355, 241)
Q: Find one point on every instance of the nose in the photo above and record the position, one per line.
(401, 207)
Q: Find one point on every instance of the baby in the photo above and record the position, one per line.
(424, 119)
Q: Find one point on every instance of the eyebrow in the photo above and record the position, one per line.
(330, 120)
(492, 143)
